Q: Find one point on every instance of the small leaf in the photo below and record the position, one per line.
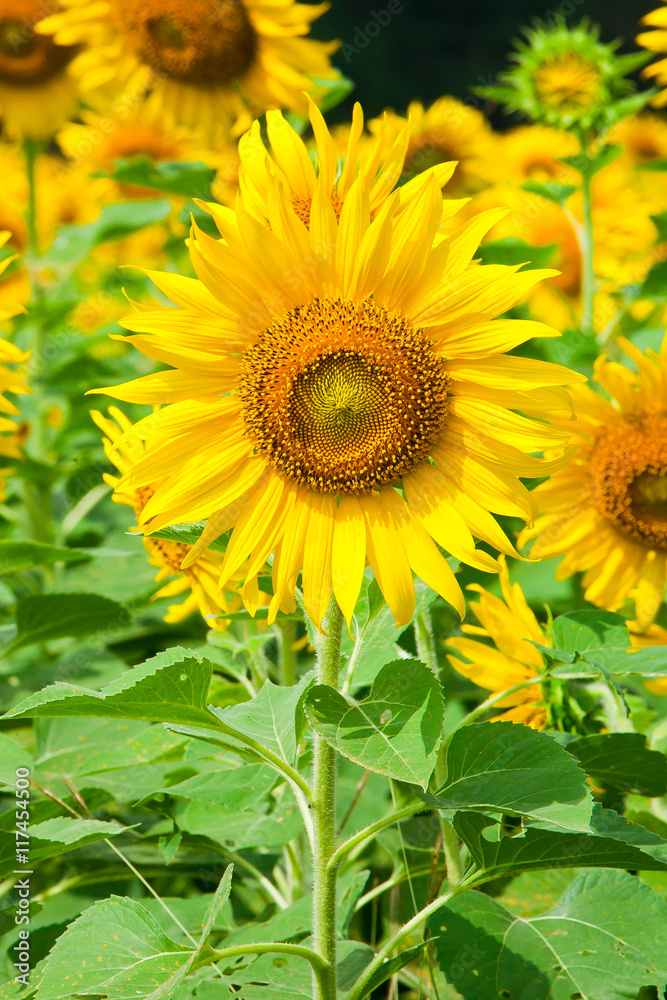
(395, 731)
(54, 837)
(513, 251)
(622, 760)
(170, 687)
(43, 617)
(558, 193)
(590, 164)
(190, 179)
(577, 631)
(16, 555)
(605, 938)
(497, 765)
(649, 662)
(498, 856)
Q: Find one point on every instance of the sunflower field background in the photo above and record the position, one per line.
(333, 500)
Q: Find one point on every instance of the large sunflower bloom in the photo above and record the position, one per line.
(206, 62)
(656, 41)
(379, 160)
(447, 130)
(513, 658)
(36, 93)
(315, 370)
(606, 511)
(199, 582)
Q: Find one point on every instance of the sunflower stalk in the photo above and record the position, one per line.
(587, 254)
(324, 810)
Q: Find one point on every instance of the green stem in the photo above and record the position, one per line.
(31, 151)
(287, 654)
(358, 990)
(297, 950)
(338, 856)
(450, 845)
(425, 641)
(324, 814)
(587, 251)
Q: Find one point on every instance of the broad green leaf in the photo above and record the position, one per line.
(497, 856)
(558, 193)
(608, 823)
(604, 939)
(170, 687)
(578, 631)
(54, 837)
(655, 283)
(623, 761)
(395, 731)
(18, 555)
(190, 179)
(274, 717)
(240, 829)
(513, 251)
(115, 949)
(229, 787)
(43, 617)
(13, 755)
(649, 662)
(497, 765)
(73, 243)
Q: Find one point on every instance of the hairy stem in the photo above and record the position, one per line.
(450, 845)
(324, 811)
(287, 654)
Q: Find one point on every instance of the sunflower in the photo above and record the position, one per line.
(11, 435)
(534, 153)
(36, 93)
(206, 62)
(656, 41)
(512, 627)
(301, 170)
(643, 137)
(606, 511)
(199, 582)
(317, 370)
(566, 77)
(446, 131)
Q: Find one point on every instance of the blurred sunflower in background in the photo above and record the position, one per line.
(12, 436)
(656, 41)
(199, 582)
(606, 512)
(447, 131)
(297, 405)
(37, 94)
(208, 64)
(512, 659)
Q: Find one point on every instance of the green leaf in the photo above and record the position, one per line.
(558, 193)
(590, 164)
(578, 631)
(17, 555)
(43, 617)
(115, 949)
(394, 965)
(497, 856)
(651, 661)
(240, 829)
(191, 179)
(607, 823)
(655, 283)
(604, 939)
(274, 717)
(497, 765)
(13, 755)
(395, 731)
(170, 687)
(229, 787)
(622, 760)
(513, 251)
(73, 243)
(332, 90)
(54, 837)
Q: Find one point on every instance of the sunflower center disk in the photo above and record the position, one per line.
(343, 397)
(28, 59)
(567, 81)
(197, 42)
(629, 469)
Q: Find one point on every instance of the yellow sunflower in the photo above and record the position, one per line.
(317, 370)
(512, 627)
(300, 170)
(643, 137)
(533, 152)
(36, 92)
(206, 63)
(199, 582)
(606, 511)
(447, 130)
(656, 41)
(12, 436)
